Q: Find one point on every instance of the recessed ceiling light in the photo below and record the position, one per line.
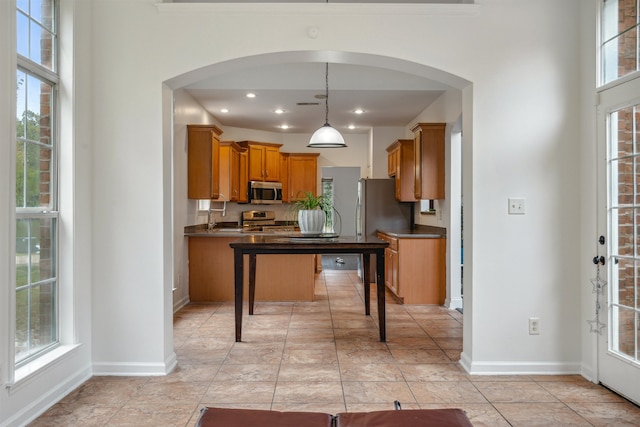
(251, 95)
(224, 110)
(352, 127)
(358, 111)
(278, 111)
(284, 127)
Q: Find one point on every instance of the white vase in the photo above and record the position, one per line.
(311, 221)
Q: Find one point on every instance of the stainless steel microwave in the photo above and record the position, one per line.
(265, 193)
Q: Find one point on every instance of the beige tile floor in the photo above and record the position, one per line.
(325, 356)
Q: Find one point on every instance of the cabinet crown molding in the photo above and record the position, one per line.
(213, 128)
(266, 144)
(427, 125)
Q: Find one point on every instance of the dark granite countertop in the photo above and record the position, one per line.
(231, 230)
(417, 232)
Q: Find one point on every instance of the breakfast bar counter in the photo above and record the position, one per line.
(298, 244)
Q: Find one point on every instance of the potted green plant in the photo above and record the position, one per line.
(312, 212)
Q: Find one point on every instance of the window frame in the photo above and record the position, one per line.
(51, 212)
(602, 42)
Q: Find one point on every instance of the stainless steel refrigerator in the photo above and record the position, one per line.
(340, 184)
(377, 208)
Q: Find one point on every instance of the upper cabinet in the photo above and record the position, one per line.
(428, 151)
(244, 177)
(302, 174)
(284, 175)
(392, 159)
(203, 161)
(264, 160)
(401, 166)
(232, 172)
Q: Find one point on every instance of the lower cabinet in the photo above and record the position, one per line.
(278, 277)
(415, 269)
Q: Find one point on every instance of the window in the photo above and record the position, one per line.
(619, 45)
(428, 206)
(36, 190)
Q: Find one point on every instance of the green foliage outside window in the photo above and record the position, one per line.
(28, 154)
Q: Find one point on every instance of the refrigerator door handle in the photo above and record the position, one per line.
(358, 217)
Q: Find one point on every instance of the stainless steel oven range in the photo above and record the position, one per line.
(263, 221)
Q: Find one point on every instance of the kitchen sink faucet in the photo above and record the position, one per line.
(211, 221)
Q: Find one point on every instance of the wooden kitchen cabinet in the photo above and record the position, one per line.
(415, 269)
(284, 277)
(429, 161)
(302, 174)
(203, 147)
(231, 173)
(284, 176)
(244, 177)
(401, 166)
(392, 162)
(391, 266)
(264, 160)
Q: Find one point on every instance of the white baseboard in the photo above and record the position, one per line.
(520, 368)
(465, 361)
(589, 373)
(47, 399)
(453, 303)
(136, 369)
(177, 305)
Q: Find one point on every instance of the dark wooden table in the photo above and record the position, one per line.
(285, 244)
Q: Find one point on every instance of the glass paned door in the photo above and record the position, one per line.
(618, 346)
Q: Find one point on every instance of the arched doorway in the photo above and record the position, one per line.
(460, 89)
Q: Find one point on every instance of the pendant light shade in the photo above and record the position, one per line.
(326, 136)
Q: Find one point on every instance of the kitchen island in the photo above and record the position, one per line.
(211, 269)
(299, 245)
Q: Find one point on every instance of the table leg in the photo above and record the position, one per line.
(381, 296)
(366, 281)
(238, 269)
(252, 281)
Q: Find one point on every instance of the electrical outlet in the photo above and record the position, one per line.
(516, 205)
(534, 326)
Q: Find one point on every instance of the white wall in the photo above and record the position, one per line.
(521, 138)
(588, 183)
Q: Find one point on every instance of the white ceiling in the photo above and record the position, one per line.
(323, 1)
(389, 98)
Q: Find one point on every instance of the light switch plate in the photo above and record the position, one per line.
(516, 205)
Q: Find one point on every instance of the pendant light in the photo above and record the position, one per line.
(326, 136)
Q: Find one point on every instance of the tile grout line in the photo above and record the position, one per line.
(275, 386)
(335, 344)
